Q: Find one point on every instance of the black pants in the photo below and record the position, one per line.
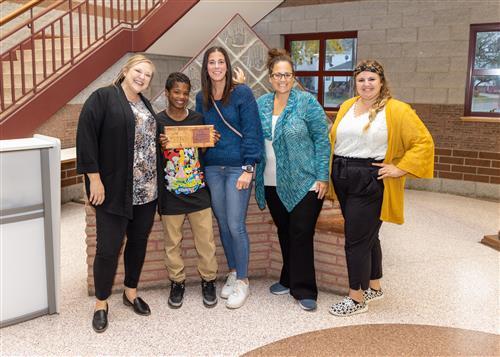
(296, 233)
(111, 230)
(360, 196)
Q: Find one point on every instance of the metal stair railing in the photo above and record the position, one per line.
(70, 31)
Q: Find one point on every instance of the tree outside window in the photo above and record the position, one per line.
(324, 64)
(483, 83)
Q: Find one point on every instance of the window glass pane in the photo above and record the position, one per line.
(337, 90)
(305, 55)
(310, 84)
(486, 94)
(487, 54)
(340, 54)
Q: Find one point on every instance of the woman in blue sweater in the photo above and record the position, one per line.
(229, 166)
(293, 178)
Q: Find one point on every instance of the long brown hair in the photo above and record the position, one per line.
(131, 62)
(384, 95)
(206, 83)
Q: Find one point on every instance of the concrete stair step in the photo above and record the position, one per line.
(28, 53)
(28, 67)
(18, 78)
(38, 43)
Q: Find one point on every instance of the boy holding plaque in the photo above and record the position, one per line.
(183, 192)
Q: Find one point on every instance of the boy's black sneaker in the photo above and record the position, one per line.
(209, 293)
(176, 296)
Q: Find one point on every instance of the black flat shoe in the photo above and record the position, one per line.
(139, 306)
(100, 320)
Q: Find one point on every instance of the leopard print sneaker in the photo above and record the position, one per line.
(372, 295)
(348, 307)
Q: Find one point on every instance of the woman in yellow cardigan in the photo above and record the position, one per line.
(376, 142)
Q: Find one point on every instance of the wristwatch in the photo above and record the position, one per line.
(248, 168)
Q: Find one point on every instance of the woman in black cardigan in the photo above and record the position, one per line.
(116, 150)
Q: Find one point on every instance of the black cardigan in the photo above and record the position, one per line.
(105, 144)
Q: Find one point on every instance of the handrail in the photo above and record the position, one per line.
(20, 11)
(30, 21)
(61, 42)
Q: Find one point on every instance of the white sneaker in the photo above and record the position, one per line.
(227, 289)
(241, 290)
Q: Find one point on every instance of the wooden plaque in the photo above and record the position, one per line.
(200, 136)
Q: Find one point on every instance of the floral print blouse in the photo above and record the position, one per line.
(144, 182)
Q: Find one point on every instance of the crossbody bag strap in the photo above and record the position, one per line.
(225, 121)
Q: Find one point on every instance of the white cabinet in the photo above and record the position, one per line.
(30, 176)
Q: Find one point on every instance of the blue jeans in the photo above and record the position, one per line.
(230, 207)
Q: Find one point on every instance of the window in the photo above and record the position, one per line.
(482, 94)
(324, 64)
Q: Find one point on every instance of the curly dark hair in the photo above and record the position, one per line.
(177, 77)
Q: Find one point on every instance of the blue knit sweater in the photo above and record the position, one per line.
(301, 146)
(242, 113)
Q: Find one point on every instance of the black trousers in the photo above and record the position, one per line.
(296, 233)
(360, 196)
(111, 230)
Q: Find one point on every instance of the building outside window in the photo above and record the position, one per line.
(324, 64)
(482, 97)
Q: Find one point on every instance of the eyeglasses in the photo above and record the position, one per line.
(278, 76)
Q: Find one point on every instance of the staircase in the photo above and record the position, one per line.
(65, 46)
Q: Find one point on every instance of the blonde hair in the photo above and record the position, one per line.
(384, 95)
(131, 62)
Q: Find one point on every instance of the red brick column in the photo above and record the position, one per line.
(265, 256)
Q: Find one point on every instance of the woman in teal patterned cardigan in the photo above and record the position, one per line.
(292, 177)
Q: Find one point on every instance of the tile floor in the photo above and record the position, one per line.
(436, 273)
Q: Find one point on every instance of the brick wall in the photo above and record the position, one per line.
(71, 182)
(265, 256)
(63, 125)
(468, 151)
(69, 176)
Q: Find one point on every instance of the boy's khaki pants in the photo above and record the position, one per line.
(201, 226)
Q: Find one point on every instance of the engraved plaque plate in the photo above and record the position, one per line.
(200, 136)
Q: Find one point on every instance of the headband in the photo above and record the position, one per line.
(370, 68)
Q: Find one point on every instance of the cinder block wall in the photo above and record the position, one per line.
(265, 254)
(423, 46)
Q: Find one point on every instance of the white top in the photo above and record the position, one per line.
(270, 169)
(351, 141)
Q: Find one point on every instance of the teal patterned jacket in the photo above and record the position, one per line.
(301, 146)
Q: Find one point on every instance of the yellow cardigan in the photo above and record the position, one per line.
(410, 147)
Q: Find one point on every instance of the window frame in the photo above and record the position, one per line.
(471, 72)
(321, 73)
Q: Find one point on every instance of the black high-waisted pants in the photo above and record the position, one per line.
(360, 196)
(111, 230)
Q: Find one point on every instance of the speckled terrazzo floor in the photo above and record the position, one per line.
(436, 273)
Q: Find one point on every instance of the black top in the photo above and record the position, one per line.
(105, 145)
(183, 188)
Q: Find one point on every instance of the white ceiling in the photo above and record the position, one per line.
(192, 32)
